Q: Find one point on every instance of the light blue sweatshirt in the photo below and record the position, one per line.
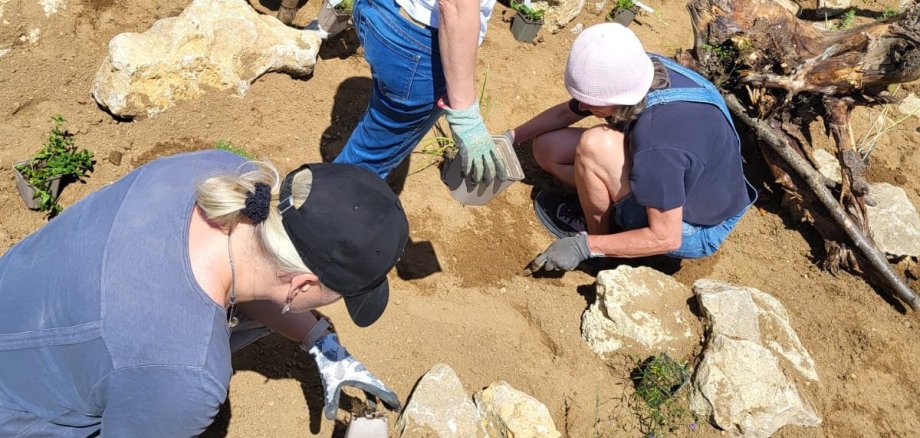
(102, 323)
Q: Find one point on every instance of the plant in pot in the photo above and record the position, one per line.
(39, 178)
(527, 21)
(333, 16)
(625, 11)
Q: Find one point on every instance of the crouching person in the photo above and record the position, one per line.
(119, 316)
(662, 175)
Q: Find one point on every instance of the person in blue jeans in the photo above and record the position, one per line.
(422, 55)
(119, 316)
(662, 175)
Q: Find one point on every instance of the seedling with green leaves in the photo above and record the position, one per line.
(528, 12)
(344, 6)
(59, 157)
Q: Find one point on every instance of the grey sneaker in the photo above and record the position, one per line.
(560, 213)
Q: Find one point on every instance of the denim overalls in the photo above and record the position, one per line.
(696, 240)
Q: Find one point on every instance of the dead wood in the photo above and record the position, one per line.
(787, 72)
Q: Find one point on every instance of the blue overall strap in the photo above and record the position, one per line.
(706, 93)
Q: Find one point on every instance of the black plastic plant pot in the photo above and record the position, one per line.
(524, 29)
(624, 16)
(27, 192)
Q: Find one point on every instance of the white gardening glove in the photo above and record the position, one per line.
(338, 368)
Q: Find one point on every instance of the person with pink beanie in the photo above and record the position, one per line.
(661, 175)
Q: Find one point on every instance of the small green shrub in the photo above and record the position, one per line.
(528, 12)
(225, 145)
(58, 157)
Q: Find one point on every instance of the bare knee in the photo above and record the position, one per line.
(600, 143)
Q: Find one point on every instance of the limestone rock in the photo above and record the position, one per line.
(831, 8)
(440, 408)
(642, 310)
(219, 44)
(893, 219)
(559, 12)
(792, 6)
(748, 380)
(509, 413)
(828, 165)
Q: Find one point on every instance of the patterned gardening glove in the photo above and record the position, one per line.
(478, 156)
(338, 368)
(563, 255)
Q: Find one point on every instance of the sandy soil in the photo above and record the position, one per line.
(457, 297)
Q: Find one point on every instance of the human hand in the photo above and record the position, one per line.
(562, 255)
(478, 156)
(338, 368)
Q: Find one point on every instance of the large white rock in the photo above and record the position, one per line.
(220, 44)
(893, 219)
(440, 408)
(748, 380)
(559, 12)
(642, 310)
(509, 413)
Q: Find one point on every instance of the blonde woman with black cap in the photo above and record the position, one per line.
(119, 316)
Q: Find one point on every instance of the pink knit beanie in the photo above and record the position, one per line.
(608, 66)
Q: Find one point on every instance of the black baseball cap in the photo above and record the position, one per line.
(350, 232)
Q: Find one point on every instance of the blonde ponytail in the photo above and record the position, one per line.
(222, 198)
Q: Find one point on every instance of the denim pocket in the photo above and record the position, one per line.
(392, 67)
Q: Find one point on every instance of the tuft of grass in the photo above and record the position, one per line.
(658, 379)
(226, 145)
(888, 12)
(846, 21)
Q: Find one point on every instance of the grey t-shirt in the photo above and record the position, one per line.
(102, 323)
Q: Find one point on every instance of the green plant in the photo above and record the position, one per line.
(344, 6)
(624, 4)
(888, 12)
(225, 145)
(58, 157)
(846, 21)
(657, 380)
(528, 12)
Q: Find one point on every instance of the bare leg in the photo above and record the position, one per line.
(601, 175)
(555, 152)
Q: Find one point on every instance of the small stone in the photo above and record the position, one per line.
(509, 413)
(115, 158)
(577, 28)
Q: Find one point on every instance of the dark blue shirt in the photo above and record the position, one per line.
(686, 154)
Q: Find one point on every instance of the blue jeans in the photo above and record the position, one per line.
(696, 241)
(407, 81)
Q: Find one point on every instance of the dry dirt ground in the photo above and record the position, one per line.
(457, 297)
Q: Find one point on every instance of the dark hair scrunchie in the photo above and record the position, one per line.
(258, 203)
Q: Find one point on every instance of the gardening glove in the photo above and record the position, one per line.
(338, 368)
(563, 255)
(478, 156)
